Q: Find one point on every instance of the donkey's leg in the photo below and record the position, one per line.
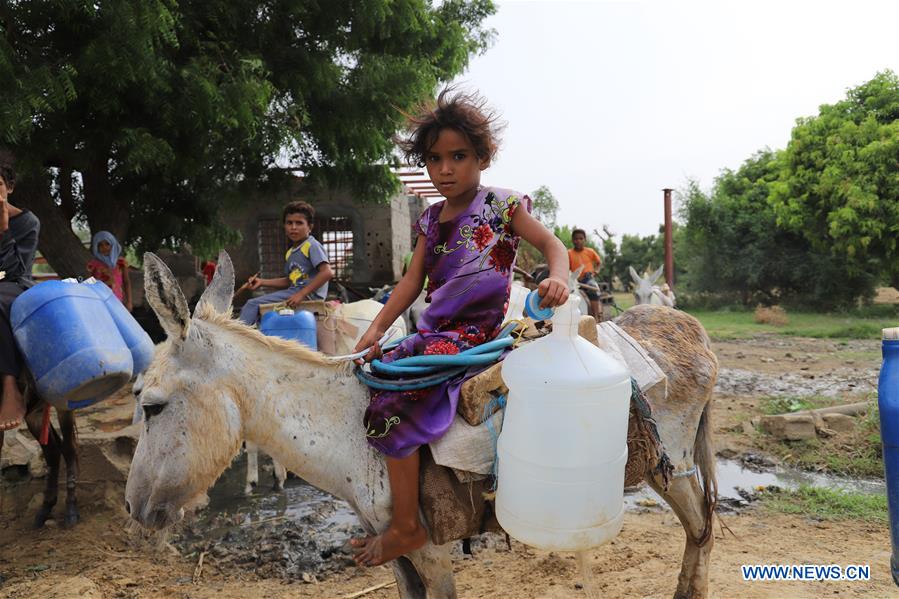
(409, 584)
(70, 453)
(686, 498)
(51, 451)
(280, 473)
(252, 468)
(435, 568)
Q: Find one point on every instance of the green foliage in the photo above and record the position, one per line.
(643, 253)
(545, 206)
(837, 185)
(152, 108)
(827, 504)
(784, 404)
(731, 244)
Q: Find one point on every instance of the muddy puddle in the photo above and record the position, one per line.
(735, 476)
(837, 382)
(296, 534)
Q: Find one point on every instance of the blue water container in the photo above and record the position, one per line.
(70, 343)
(287, 324)
(888, 401)
(136, 338)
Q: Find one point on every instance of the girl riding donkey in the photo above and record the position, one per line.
(466, 247)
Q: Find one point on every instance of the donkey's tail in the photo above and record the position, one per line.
(704, 456)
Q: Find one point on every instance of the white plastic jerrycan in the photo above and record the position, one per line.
(563, 445)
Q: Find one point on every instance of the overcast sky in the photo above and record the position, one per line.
(609, 102)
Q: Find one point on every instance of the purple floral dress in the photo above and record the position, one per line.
(468, 261)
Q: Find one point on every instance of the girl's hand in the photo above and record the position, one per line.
(370, 339)
(553, 291)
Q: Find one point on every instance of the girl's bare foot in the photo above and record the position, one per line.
(12, 410)
(389, 545)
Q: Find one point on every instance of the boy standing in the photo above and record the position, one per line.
(590, 260)
(307, 270)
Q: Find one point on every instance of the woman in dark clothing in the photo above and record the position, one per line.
(18, 243)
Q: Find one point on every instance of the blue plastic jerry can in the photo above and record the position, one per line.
(70, 343)
(136, 338)
(888, 402)
(289, 324)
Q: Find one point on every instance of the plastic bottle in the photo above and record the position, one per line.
(888, 402)
(563, 447)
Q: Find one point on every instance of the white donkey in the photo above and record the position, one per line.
(647, 292)
(216, 382)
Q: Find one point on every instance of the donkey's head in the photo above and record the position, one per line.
(191, 415)
(643, 286)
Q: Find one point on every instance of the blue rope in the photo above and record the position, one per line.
(494, 405)
(434, 368)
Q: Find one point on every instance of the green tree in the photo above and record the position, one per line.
(545, 206)
(641, 252)
(838, 186)
(141, 117)
(730, 243)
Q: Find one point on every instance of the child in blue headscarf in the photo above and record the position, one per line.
(109, 266)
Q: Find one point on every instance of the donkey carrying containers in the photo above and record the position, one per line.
(215, 383)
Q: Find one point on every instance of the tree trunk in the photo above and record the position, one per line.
(103, 210)
(58, 243)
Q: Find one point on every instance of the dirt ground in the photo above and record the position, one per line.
(104, 557)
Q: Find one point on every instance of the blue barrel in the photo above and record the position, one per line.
(287, 324)
(888, 401)
(136, 338)
(70, 343)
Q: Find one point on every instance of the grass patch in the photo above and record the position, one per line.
(740, 324)
(787, 404)
(853, 453)
(826, 504)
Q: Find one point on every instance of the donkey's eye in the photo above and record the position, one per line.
(153, 409)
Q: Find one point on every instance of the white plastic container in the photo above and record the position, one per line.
(518, 294)
(353, 319)
(563, 445)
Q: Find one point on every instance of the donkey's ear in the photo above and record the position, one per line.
(220, 292)
(165, 297)
(655, 276)
(634, 274)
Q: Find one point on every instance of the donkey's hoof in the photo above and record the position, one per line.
(278, 486)
(72, 517)
(249, 489)
(43, 514)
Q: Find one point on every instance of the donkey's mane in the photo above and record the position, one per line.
(276, 344)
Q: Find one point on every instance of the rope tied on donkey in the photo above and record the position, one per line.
(419, 372)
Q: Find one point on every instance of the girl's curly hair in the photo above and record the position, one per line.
(8, 167)
(466, 113)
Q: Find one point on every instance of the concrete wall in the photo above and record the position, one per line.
(381, 232)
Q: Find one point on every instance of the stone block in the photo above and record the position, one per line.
(789, 427)
(839, 422)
